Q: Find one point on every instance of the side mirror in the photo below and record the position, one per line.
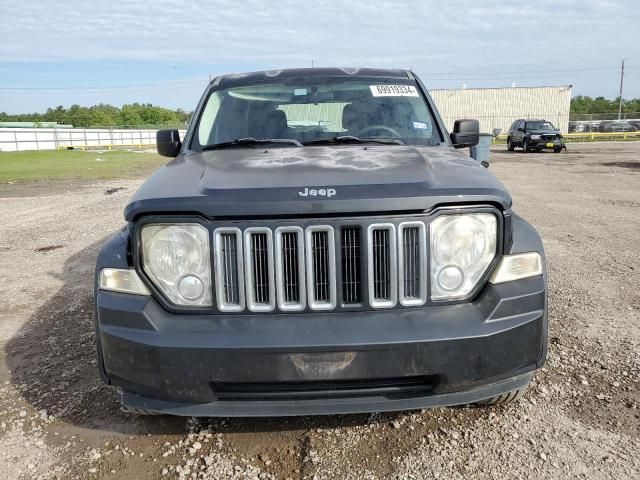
(521, 129)
(466, 133)
(168, 143)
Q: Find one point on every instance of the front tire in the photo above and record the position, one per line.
(525, 147)
(557, 150)
(508, 397)
(510, 146)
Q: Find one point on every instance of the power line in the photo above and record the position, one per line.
(429, 75)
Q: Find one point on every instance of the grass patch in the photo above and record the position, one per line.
(76, 165)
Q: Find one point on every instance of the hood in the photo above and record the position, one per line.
(315, 180)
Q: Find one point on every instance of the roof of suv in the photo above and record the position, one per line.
(270, 75)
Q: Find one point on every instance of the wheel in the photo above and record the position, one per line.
(557, 150)
(510, 146)
(524, 145)
(508, 397)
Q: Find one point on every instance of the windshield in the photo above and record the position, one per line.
(540, 126)
(312, 110)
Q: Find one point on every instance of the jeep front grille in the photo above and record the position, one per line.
(289, 258)
(382, 265)
(320, 267)
(259, 269)
(228, 269)
(412, 263)
(350, 259)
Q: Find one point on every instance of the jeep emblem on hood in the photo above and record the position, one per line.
(319, 192)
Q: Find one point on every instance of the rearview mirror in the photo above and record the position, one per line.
(168, 143)
(466, 133)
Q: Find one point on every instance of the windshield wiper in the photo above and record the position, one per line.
(352, 139)
(249, 141)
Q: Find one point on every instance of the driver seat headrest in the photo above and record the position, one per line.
(350, 116)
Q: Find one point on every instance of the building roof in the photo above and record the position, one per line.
(495, 88)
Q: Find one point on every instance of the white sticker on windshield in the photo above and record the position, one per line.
(393, 90)
(421, 125)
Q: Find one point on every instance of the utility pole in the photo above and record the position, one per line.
(621, 81)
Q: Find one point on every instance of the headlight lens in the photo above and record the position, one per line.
(176, 258)
(535, 137)
(462, 248)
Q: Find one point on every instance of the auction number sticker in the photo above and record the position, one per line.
(393, 90)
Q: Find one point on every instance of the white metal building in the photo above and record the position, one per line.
(499, 107)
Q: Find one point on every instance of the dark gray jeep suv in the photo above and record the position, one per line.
(318, 246)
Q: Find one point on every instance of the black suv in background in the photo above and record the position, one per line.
(534, 135)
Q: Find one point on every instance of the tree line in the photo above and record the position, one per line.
(139, 114)
(103, 115)
(584, 104)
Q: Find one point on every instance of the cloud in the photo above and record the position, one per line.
(472, 42)
(331, 32)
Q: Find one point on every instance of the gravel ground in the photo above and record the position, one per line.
(581, 417)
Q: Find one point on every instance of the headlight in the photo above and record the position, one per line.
(535, 137)
(176, 258)
(462, 248)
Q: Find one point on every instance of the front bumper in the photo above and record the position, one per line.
(542, 143)
(322, 363)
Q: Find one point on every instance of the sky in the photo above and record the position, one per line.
(164, 52)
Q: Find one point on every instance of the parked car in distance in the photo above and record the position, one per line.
(534, 135)
(634, 123)
(275, 268)
(579, 127)
(615, 126)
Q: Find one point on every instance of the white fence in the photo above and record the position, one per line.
(18, 139)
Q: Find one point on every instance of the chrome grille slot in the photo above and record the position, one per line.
(412, 263)
(350, 258)
(382, 265)
(321, 268)
(290, 276)
(258, 247)
(228, 269)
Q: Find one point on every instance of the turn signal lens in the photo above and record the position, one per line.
(121, 280)
(517, 266)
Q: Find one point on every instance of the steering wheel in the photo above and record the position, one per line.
(375, 128)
